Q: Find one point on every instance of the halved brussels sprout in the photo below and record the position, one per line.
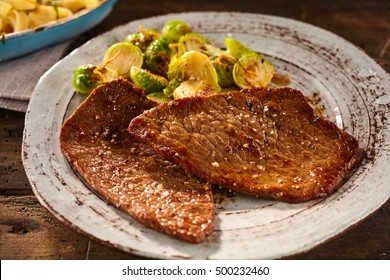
(158, 97)
(214, 51)
(224, 64)
(192, 42)
(194, 66)
(121, 57)
(146, 80)
(173, 30)
(170, 88)
(236, 48)
(157, 57)
(143, 38)
(108, 74)
(252, 71)
(193, 88)
(85, 78)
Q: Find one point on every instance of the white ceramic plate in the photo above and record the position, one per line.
(352, 89)
(30, 40)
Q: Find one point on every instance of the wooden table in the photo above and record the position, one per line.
(29, 231)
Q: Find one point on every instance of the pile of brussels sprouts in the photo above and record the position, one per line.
(176, 63)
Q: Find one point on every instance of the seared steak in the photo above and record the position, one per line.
(262, 142)
(129, 174)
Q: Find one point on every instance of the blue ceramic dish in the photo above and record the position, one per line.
(24, 42)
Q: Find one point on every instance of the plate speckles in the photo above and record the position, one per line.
(317, 62)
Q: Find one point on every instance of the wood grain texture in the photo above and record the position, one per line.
(28, 231)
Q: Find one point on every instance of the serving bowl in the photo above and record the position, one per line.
(23, 42)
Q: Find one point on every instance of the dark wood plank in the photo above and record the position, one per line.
(98, 251)
(13, 179)
(28, 231)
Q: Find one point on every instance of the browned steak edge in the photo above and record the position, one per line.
(137, 128)
(146, 104)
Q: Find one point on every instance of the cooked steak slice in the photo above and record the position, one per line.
(129, 174)
(262, 142)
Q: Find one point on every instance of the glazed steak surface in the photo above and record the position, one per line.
(129, 174)
(262, 142)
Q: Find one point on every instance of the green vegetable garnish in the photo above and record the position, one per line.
(224, 65)
(173, 30)
(252, 71)
(146, 80)
(86, 78)
(143, 38)
(158, 97)
(196, 70)
(192, 42)
(157, 57)
(235, 48)
(120, 57)
(177, 63)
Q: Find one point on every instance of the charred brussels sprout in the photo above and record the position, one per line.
(192, 65)
(252, 71)
(193, 88)
(235, 48)
(143, 38)
(85, 78)
(192, 42)
(170, 88)
(120, 57)
(173, 30)
(157, 57)
(214, 51)
(196, 71)
(158, 97)
(224, 64)
(177, 63)
(149, 82)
